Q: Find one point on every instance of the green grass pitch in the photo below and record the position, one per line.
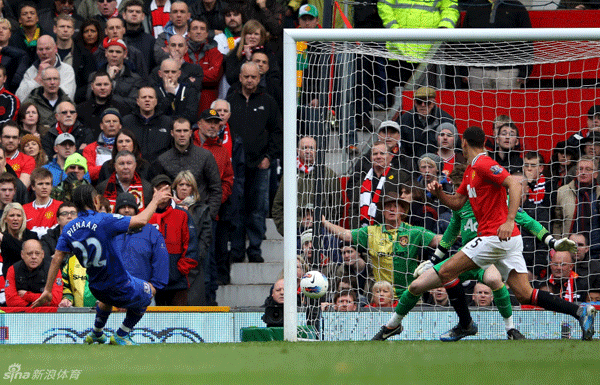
(391, 362)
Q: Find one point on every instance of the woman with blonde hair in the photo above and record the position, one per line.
(14, 233)
(185, 189)
(383, 295)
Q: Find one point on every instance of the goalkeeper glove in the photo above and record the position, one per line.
(423, 267)
(563, 244)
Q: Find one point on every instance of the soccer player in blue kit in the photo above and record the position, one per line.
(89, 237)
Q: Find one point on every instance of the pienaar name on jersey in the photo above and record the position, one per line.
(81, 225)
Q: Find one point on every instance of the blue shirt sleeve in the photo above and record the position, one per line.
(115, 224)
(160, 259)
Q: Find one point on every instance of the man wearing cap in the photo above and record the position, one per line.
(64, 146)
(76, 168)
(47, 54)
(208, 133)
(184, 155)
(394, 246)
(310, 85)
(593, 125)
(388, 132)
(100, 151)
(125, 82)
(175, 99)
(182, 245)
(145, 254)
(150, 126)
(135, 59)
(449, 147)
(66, 122)
(418, 126)
(48, 96)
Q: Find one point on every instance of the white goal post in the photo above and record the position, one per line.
(292, 36)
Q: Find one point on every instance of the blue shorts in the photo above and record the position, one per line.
(135, 295)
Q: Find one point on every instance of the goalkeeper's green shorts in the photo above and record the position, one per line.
(475, 274)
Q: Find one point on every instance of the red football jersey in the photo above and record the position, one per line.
(21, 162)
(41, 218)
(482, 183)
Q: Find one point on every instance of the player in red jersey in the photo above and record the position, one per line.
(499, 242)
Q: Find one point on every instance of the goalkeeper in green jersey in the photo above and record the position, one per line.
(463, 223)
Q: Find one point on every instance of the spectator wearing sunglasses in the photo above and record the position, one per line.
(419, 125)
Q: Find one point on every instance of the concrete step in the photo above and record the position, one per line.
(255, 273)
(272, 250)
(272, 230)
(242, 295)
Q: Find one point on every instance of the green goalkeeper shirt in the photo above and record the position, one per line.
(463, 223)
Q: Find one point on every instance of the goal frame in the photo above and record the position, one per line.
(291, 36)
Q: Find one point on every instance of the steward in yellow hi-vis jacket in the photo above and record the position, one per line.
(416, 14)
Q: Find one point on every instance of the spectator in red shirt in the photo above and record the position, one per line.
(41, 213)
(205, 53)
(21, 163)
(26, 279)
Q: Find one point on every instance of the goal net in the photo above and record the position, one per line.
(532, 91)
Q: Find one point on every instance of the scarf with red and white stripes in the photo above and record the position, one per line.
(567, 289)
(369, 199)
(537, 193)
(302, 167)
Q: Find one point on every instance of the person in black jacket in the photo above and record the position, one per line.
(102, 97)
(80, 59)
(125, 82)
(15, 60)
(133, 14)
(149, 125)
(184, 155)
(176, 99)
(26, 35)
(255, 118)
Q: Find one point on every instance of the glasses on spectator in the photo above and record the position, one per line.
(421, 102)
(67, 112)
(72, 213)
(76, 167)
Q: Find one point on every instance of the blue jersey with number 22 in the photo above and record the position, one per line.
(89, 238)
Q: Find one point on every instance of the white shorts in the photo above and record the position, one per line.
(505, 255)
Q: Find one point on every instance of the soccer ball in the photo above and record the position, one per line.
(314, 284)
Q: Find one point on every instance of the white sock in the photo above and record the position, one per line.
(394, 321)
(508, 323)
